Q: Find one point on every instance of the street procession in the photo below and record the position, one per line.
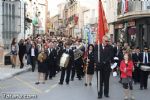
(107, 59)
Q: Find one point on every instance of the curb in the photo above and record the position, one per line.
(14, 74)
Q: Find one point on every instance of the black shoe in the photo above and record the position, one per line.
(37, 83)
(99, 97)
(145, 88)
(72, 79)
(85, 84)
(67, 83)
(50, 78)
(60, 83)
(80, 79)
(141, 88)
(90, 84)
(107, 96)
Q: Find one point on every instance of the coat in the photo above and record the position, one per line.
(129, 69)
(106, 56)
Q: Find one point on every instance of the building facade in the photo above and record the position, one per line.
(55, 25)
(133, 23)
(36, 11)
(11, 21)
(74, 14)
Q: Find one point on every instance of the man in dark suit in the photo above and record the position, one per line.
(79, 62)
(22, 51)
(73, 70)
(145, 60)
(136, 60)
(33, 51)
(103, 60)
(55, 58)
(67, 70)
(51, 61)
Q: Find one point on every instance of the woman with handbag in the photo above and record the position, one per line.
(126, 68)
(13, 52)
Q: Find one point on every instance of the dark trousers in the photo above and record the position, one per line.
(33, 61)
(136, 75)
(104, 79)
(63, 72)
(54, 70)
(28, 59)
(143, 79)
(21, 60)
(79, 71)
(49, 72)
(73, 71)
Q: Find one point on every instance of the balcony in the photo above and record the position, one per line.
(136, 9)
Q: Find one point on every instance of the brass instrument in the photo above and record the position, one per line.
(64, 60)
(78, 52)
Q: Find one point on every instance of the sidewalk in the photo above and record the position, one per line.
(8, 72)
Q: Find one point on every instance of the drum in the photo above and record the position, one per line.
(64, 60)
(145, 68)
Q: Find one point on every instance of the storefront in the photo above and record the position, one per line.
(134, 32)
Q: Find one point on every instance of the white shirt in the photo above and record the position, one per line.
(32, 52)
(49, 50)
(144, 57)
(103, 46)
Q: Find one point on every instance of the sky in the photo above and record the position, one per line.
(53, 5)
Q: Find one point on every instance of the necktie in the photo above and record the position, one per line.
(145, 58)
(50, 51)
(103, 47)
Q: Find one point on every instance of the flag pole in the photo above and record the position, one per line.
(98, 72)
(102, 29)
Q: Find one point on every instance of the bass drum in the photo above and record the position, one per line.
(145, 68)
(64, 60)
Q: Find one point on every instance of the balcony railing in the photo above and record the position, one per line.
(134, 6)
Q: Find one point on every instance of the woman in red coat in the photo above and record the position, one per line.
(126, 68)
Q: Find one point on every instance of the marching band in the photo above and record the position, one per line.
(73, 58)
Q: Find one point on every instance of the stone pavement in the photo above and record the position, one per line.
(8, 72)
(25, 84)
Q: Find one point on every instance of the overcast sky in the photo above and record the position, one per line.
(53, 5)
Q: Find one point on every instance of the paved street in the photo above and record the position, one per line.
(24, 84)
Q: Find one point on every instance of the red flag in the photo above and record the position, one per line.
(126, 6)
(102, 23)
